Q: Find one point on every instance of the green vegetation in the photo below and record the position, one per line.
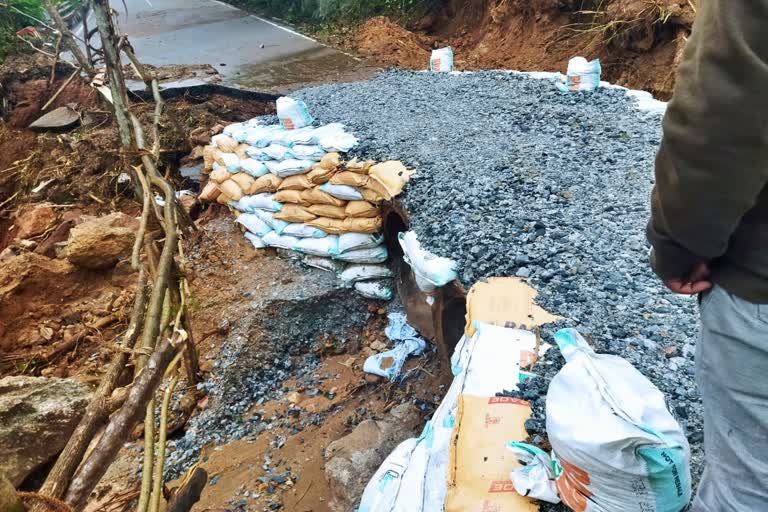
(11, 21)
(337, 11)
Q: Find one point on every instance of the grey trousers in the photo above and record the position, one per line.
(732, 376)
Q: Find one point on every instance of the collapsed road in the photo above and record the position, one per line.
(512, 177)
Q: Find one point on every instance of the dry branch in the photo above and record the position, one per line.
(69, 39)
(122, 422)
(100, 407)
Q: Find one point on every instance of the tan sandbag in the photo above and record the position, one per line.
(319, 175)
(244, 180)
(371, 195)
(240, 151)
(389, 178)
(232, 189)
(350, 178)
(290, 196)
(328, 210)
(317, 196)
(208, 157)
(298, 182)
(267, 183)
(294, 213)
(330, 161)
(217, 157)
(220, 175)
(330, 226)
(361, 209)
(210, 191)
(357, 166)
(226, 143)
(360, 225)
(224, 198)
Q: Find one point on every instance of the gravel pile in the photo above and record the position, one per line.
(516, 178)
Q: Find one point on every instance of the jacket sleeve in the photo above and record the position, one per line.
(713, 159)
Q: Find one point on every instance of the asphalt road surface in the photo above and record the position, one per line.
(245, 49)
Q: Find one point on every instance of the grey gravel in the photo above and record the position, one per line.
(516, 178)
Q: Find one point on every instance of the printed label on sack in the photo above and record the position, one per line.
(572, 485)
(506, 400)
(501, 486)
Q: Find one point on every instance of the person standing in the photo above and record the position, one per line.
(709, 236)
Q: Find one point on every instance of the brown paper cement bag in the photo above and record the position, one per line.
(267, 183)
(220, 175)
(361, 209)
(357, 166)
(350, 178)
(371, 195)
(389, 178)
(231, 189)
(479, 465)
(245, 181)
(210, 191)
(319, 175)
(330, 226)
(290, 196)
(330, 161)
(208, 157)
(225, 143)
(240, 151)
(297, 182)
(317, 196)
(294, 213)
(359, 225)
(224, 199)
(328, 210)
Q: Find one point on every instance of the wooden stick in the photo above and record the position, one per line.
(157, 484)
(190, 490)
(63, 86)
(98, 409)
(115, 434)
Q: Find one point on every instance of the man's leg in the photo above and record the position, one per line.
(732, 376)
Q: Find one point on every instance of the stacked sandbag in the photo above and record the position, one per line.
(291, 190)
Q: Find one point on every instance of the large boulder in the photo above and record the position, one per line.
(100, 242)
(34, 220)
(356, 457)
(37, 416)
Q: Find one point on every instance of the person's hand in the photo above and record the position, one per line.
(697, 282)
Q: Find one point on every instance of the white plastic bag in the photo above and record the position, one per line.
(615, 444)
(277, 152)
(536, 478)
(253, 167)
(276, 224)
(307, 152)
(353, 241)
(299, 136)
(254, 224)
(343, 192)
(441, 60)
(231, 162)
(328, 130)
(255, 240)
(293, 113)
(272, 239)
(255, 202)
(301, 230)
(262, 136)
(326, 264)
(327, 246)
(582, 75)
(377, 254)
(378, 290)
(431, 271)
(407, 342)
(355, 273)
(340, 143)
(289, 167)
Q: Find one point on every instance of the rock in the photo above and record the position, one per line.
(63, 118)
(37, 416)
(34, 221)
(356, 457)
(59, 234)
(29, 269)
(100, 242)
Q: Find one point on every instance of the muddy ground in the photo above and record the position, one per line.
(57, 319)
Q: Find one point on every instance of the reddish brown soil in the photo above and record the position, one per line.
(638, 42)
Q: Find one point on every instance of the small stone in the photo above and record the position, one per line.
(670, 351)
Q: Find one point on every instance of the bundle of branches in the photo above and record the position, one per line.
(158, 342)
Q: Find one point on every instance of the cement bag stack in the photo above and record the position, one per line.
(291, 190)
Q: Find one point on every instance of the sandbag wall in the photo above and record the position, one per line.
(291, 190)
